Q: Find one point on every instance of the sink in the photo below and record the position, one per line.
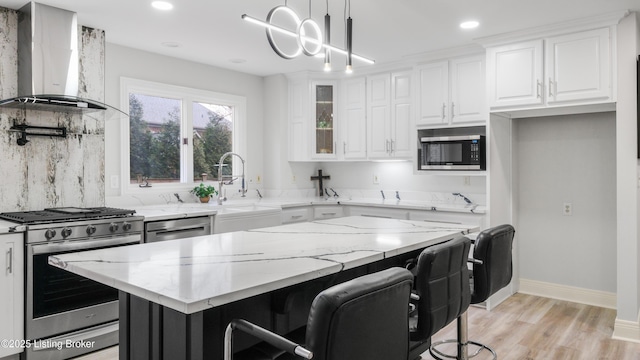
(235, 209)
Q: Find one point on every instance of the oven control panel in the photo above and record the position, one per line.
(83, 230)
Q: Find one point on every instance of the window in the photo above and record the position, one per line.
(177, 135)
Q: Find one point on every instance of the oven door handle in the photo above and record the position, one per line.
(84, 244)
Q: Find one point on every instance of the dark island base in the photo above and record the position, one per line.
(149, 331)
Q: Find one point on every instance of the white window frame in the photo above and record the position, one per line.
(187, 96)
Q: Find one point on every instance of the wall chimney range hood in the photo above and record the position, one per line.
(48, 61)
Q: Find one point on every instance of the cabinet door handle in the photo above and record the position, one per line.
(538, 87)
(444, 109)
(392, 146)
(344, 147)
(453, 111)
(386, 146)
(10, 261)
(551, 82)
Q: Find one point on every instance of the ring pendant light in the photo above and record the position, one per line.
(308, 34)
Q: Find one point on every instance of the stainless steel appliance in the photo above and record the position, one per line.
(48, 74)
(461, 152)
(177, 229)
(67, 315)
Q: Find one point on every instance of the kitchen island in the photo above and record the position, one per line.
(176, 297)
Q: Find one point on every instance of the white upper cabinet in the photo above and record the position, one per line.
(324, 108)
(389, 115)
(468, 90)
(299, 104)
(353, 131)
(571, 69)
(434, 93)
(313, 120)
(452, 92)
(578, 67)
(515, 74)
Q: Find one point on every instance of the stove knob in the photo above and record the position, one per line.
(66, 232)
(113, 227)
(126, 226)
(91, 229)
(49, 234)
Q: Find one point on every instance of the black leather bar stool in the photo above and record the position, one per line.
(492, 271)
(443, 292)
(364, 318)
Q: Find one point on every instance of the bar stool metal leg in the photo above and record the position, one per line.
(462, 344)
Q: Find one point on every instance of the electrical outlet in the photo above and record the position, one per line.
(293, 178)
(376, 179)
(258, 179)
(115, 182)
(467, 180)
(567, 209)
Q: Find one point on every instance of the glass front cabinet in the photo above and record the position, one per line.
(321, 127)
(324, 111)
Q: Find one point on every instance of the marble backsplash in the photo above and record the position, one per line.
(52, 171)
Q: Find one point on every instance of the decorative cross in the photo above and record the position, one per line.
(320, 178)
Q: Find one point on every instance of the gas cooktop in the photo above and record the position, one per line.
(62, 214)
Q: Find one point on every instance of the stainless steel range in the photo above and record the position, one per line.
(67, 315)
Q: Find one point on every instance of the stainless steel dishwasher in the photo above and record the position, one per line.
(177, 228)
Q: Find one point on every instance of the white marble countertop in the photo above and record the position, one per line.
(7, 227)
(183, 210)
(190, 275)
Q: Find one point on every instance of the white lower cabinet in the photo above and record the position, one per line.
(297, 214)
(327, 212)
(377, 212)
(12, 295)
(449, 217)
(232, 220)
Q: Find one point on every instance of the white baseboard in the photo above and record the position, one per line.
(622, 330)
(626, 330)
(568, 293)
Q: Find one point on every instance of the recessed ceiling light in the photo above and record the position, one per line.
(162, 5)
(469, 24)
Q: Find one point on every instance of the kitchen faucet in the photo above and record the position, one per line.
(220, 182)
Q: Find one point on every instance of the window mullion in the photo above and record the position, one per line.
(186, 149)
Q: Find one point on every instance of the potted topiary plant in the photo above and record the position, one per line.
(204, 192)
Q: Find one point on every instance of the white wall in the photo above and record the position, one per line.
(127, 62)
(628, 236)
(567, 159)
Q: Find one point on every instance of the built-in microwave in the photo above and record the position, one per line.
(461, 152)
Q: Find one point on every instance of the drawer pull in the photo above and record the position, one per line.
(10, 262)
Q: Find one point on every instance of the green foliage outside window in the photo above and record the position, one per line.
(156, 153)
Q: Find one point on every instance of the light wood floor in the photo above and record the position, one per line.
(527, 327)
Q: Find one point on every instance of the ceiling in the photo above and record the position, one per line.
(212, 31)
